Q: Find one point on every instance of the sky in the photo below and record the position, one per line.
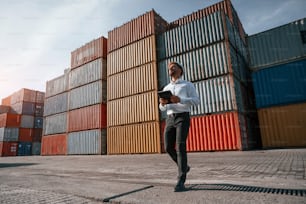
(38, 36)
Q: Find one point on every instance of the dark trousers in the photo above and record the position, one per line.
(176, 132)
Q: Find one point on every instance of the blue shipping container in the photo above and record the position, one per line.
(280, 85)
(24, 149)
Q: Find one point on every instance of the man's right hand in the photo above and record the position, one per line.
(163, 101)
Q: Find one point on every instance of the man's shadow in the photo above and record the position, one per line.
(245, 188)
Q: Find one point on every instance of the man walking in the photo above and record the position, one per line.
(178, 106)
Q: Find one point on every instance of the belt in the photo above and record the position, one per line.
(178, 114)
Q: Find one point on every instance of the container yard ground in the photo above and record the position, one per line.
(264, 176)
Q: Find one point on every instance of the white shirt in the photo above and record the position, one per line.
(186, 91)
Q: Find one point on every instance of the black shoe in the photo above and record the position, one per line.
(180, 187)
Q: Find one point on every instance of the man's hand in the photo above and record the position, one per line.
(175, 99)
(163, 101)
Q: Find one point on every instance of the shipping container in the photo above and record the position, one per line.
(23, 95)
(134, 139)
(8, 148)
(54, 145)
(283, 126)
(38, 122)
(90, 51)
(27, 121)
(89, 94)
(9, 134)
(39, 110)
(280, 85)
(56, 104)
(5, 109)
(40, 97)
(278, 45)
(10, 120)
(87, 73)
(132, 81)
(130, 56)
(6, 101)
(133, 109)
(24, 148)
(37, 134)
(90, 117)
(25, 135)
(57, 85)
(85, 142)
(139, 28)
(55, 124)
(36, 148)
(24, 108)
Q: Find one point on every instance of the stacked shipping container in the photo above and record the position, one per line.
(277, 58)
(22, 123)
(214, 57)
(132, 115)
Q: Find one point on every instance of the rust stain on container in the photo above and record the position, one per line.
(90, 117)
(283, 126)
(54, 144)
(136, 138)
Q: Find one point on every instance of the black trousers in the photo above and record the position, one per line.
(175, 135)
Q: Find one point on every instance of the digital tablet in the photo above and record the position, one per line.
(165, 94)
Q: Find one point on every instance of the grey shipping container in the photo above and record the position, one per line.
(27, 108)
(27, 121)
(57, 85)
(36, 148)
(9, 134)
(56, 104)
(55, 124)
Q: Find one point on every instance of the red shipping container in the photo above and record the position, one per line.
(10, 120)
(8, 148)
(54, 144)
(37, 135)
(90, 117)
(25, 135)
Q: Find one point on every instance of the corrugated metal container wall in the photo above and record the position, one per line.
(37, 134)
(8, 148)
(57, 85)
(133, 109)
(87, 73)
(89, 52)
(27, 121)
(87, 95)
(133, 55)
(225, 6)
(5, 109)
(56, 104)
(39, 109)
(40, 97)
(283, 126)
(25, 135)
(9, 120)
(25, 108)
(54, 144)
(141, 27)
(136, 138)
(36, 147)
(38, 122)
(277, 45)
(24, 148)
(6, 101)
(25, 95)
(55, 124)
(9, 134)
(217, 132)
(85, 142)
(90, 117)
(104, 141)
(134, 81)
(281, 84)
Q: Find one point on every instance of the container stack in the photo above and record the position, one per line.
(132, 115)
(278, 63)
(54, 140)
(22, 123)
(87, 99)
(210, 45)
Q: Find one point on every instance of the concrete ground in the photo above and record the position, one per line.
(264, 176)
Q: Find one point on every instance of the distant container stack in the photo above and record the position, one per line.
(210, 45)
(21, 124)
(75, 111)
(278, 62)
(132, 112)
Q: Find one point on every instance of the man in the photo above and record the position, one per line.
(178, 106)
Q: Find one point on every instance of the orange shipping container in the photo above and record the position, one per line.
(89, 52)
(54, 144)
(25, 135)
(136, 138)
(8, 148)
(6, 101)
(10, 120)
(217, 132)
(283, 126)
(90, 117)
